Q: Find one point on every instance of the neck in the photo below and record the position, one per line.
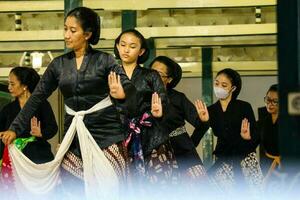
(274, 117)
(129, 67)
(225, 102)
(23, 99)
(80, 52)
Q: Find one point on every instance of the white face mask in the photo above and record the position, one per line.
(221, 93)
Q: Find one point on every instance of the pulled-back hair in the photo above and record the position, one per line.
(89, 21)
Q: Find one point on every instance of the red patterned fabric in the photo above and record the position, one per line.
(7, 180)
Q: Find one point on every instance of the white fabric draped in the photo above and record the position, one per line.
(101, 181)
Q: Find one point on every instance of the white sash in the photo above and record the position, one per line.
(101, 181)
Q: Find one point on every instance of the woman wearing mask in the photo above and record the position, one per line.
(233, 123)
(87, 79)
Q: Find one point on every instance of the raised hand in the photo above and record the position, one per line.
(8, 136)
(156, 107)
(202, 110)
(35, 127)
(245, 129)
(115, 86)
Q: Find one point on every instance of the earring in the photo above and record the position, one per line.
(24, 88)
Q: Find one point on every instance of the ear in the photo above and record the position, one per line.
(88, 35)
(170, 80)
(142, 51)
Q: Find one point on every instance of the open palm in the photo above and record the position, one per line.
(202, 110)
(245, 129)
(35, 127)
(115, 87)
(156, 107)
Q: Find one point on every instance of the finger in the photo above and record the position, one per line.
(119, 79)
(242, 125)
(109, 79)
(201, 105)
(154, 98)
(39, 124)
(196, 105)
(205, 108)
(248, 128)
(114, 77)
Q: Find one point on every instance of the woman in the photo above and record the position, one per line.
(82, 75)
(233, 123)
(40, 128)
(269, 151)
(150, 149)
(179, 110)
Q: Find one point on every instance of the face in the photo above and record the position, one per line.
(222, 81)
(75, 37)
(162, 69)
(271, 101)
(16, 89)
(129, 48)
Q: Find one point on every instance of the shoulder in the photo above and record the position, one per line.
(242, 103)
(45, 104)
(177, 94)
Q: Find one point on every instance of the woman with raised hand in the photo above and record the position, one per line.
(233, 123)
(179, 110)
(151, 152)
(42, 126)
(82, 76)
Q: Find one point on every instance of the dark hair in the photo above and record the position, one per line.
(144, 45)
(273, 88)
(27, 76)
(174, 70)
(89, 21)
(235, 79)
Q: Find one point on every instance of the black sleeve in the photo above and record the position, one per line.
(47, 119)
(191, 115)
(129, 88)
(43, 90)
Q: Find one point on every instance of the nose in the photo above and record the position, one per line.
(66, 34)
(126, 49)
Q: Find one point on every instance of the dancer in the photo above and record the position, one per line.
(82, 76)
(149, 143)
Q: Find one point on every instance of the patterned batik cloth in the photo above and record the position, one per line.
(245, 177)
(72, 170)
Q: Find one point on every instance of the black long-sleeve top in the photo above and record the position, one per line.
(268, 136)
(180, 108)
(148, 81)
(38, 151)
(81, 90)
(226, 126)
